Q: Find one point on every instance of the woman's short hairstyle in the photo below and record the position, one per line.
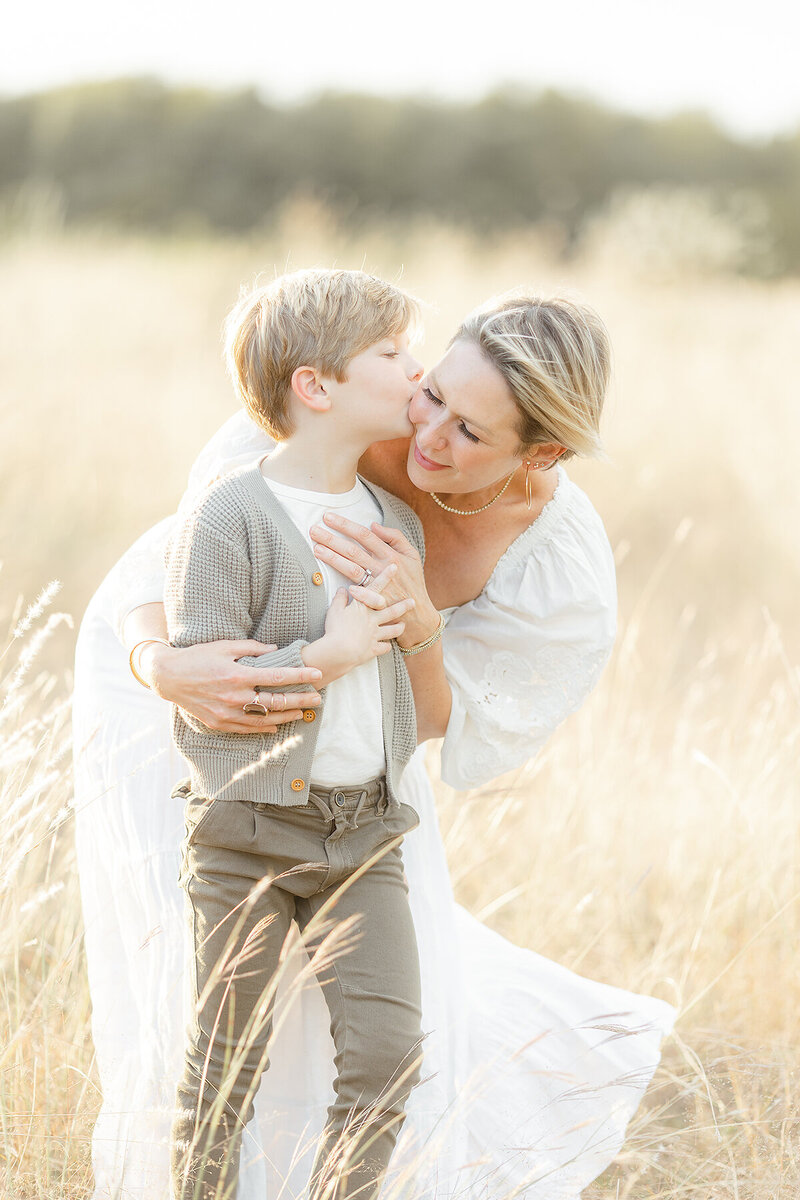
(313, 318)
(555, 356)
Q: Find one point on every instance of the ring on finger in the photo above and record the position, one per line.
(366, 578)
(257, 706)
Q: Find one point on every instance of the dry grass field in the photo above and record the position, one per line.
(654, 844)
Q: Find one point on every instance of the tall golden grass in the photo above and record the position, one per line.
(653, 844)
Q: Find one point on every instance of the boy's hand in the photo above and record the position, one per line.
(351, 549)
(358, 630)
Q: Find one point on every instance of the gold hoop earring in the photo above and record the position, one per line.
(528, 487)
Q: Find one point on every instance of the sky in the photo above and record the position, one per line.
(737, 61)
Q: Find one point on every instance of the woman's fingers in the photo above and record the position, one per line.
(276, 677)
(280, 702)
(345, 546)
(345, 566)
(241, 722)
(341, 553)
(253, 723)
(351, 529)
(283, 718)
(393, 537)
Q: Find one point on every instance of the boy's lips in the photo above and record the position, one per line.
(427, 463)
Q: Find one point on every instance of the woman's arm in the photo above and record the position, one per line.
(516, 661)
(351, 549)
(208, 681)
(433, 699)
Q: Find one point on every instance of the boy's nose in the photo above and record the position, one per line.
(415, 371)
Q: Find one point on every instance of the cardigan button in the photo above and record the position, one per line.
(309, 715)
(297, 785)
(316, 578)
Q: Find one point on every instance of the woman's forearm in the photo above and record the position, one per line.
(146, 621)
(432, 697)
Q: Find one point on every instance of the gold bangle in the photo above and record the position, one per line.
(420, 646)
(144, 642)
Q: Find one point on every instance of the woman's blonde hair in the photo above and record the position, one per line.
(313, 318)
(555, 356)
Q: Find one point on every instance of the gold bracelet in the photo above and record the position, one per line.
(144, 642)
(420, 646)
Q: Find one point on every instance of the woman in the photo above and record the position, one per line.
(532, 1072)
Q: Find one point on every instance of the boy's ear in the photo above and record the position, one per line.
(309, 387)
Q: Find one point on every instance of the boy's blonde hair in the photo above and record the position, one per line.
(312, 318)
(555, 356)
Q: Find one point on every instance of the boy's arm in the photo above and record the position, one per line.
(208, 593)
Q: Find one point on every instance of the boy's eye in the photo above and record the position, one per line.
(391, 354)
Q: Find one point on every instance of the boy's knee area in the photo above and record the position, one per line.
(385, 1056)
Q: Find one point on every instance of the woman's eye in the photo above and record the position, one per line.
(430, 395)
(467, 433)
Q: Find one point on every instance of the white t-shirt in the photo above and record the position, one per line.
(350, 746)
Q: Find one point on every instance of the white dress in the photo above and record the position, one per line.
(531, 1071)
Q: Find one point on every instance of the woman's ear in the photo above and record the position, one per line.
(308, 386)
(543, 454)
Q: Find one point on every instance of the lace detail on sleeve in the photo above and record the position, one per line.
(522, 693)
(504, 716)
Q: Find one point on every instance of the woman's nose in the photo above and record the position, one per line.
(429, 428)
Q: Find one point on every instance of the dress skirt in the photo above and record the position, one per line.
(531, 1072)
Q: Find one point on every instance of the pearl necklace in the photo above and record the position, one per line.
(470, 512)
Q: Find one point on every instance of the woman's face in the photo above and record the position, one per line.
(465, 424)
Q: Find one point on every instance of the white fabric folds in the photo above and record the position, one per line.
(531, 1071)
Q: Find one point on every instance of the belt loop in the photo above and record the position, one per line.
(359, 806)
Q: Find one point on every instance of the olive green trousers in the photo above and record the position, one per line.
(334, 867)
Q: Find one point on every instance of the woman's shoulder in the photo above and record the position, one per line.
(563, 557)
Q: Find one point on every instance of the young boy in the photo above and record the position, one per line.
(304, 821)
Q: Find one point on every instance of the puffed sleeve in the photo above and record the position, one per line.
(531, 647)
(138, 577)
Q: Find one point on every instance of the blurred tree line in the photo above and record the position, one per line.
(138, 154)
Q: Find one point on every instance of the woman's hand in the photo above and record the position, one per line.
(208, 682)
(357, 631)
(352, 549)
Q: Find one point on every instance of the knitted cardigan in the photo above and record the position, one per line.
(238, 567)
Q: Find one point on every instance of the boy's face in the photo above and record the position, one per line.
(378, 389)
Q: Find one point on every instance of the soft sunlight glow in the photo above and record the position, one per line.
(648, 55)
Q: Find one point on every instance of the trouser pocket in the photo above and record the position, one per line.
(196, 811)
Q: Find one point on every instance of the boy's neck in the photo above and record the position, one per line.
(316, 464)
